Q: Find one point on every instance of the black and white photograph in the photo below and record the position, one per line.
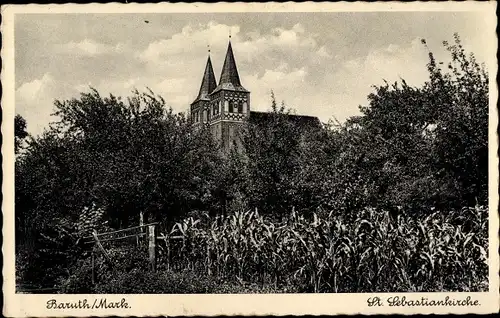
(252, 152)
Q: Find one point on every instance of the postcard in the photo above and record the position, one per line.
(249, 159)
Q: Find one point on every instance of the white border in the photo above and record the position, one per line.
(253, 304)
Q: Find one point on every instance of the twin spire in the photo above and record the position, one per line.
(208, 83)
(229, 71)
(229, 78)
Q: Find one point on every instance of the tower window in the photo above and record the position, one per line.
(240, 107)
(231, 106)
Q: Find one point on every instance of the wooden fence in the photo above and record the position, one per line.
(140, 232)
(98, 238)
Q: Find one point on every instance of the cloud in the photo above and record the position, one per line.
(339, 92)
(295, 44)
(192, 40)
(348, 87)
(294, 37)
(249, 46)
(390, 63)
(282, 81)
(88, 47)
(173, 90)
(263, 59)
(173, 85)
(35, 101)
(32, 91)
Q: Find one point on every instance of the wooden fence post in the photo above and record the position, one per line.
(141, 223)
(99, 245)
(93, 266)
(209, 261)
(152, 248)
(168, 253)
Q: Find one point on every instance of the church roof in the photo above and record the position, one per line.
(208, 83)
(303, 121)
(229, 78)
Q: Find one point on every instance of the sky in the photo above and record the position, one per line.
(318, 64)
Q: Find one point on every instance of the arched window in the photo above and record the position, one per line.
(240, 107)
(231, 106)
(226, 106)
(245, 107)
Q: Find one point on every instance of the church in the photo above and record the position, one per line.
(225, 107)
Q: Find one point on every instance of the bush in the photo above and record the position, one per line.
(80, 281)
(47, 260)
(146, 282)
(131, 275)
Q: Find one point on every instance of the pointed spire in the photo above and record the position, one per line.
(208, 83)
(229, 73)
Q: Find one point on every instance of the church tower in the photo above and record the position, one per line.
(229, 105)
(200, 108)
(225, 108)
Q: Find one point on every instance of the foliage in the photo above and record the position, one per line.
(461, 133)
(411, 148)
(274, 175)
(372, 253)
(132, 276)
(416, 148)
(125, 157)
(20, 132)
(46, 259)
(121, 157)
(143, 156)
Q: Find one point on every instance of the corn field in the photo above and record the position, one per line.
(375, 252)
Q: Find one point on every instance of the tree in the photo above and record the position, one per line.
(461, 131)
(20, 132)
(125, 157)
(421, 147)
(140, 156)
(276, 178)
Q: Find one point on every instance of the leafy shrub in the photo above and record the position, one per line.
(147, 282)
(80, 281)
(52, 252)
(144, 281)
